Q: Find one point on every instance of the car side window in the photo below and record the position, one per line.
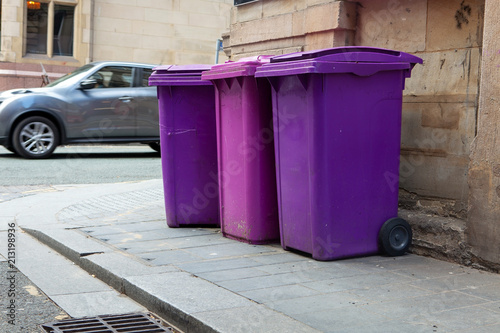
(146, 73)
(113, 77)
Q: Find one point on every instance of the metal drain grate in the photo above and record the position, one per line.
(131, 323)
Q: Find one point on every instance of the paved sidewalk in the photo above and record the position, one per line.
(202, 282)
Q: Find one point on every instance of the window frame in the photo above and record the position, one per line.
(50, 29)
(139, 78)
(243, 2)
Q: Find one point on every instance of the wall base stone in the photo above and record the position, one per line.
(22, 75)
(443, 238)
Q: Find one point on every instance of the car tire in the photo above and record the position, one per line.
(395, 237)
(35, 137)
(11, 149)
(155, 146)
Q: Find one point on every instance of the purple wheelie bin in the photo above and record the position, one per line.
(188, 145)
(248, 198)
(337, 134)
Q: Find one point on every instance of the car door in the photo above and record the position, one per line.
(147, 118)
(107, 110)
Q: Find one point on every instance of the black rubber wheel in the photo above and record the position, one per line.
(35, 137)
(155, 146)
(395, 237)
(11, 149)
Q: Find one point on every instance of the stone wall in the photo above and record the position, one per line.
(159, 32)
(14, 33)
(284, 26)
(440, 103)
(17, 75)
(151, 31)
(483, 225)
(12, 15)
(439, 113)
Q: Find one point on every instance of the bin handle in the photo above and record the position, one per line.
(264, 58)
(360, 69)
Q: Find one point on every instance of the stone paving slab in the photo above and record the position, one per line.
(156, 245)
(378, 289)
(123, 227)
(252, 318)
(13, 192)
(185, 293)
(92, 303)
(221, 285)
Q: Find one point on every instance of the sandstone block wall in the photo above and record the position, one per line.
(284, 26)
(159, 32)
(483, 225)
(153, 31)
(441, 98)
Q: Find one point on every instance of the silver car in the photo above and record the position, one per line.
(102, 102)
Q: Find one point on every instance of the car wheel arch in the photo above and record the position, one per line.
(54, 118)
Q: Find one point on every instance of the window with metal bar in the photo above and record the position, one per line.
(49, 28)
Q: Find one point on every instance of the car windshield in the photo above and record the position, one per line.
(63, 79)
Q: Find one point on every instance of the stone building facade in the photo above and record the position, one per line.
(450, 163)
(64, 34)
(450, 171)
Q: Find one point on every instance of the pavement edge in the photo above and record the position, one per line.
(181, 319)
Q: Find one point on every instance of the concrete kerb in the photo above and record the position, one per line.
(77, 258)
(134, 279)
(166, 311)
(81, 246)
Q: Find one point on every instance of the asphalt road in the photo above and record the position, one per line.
(30, 307)
(69, 165)
(82, 165)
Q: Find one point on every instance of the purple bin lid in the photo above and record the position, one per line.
(243, 67)
(359, 60)
(178, 75)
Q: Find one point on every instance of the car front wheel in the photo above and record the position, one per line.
(35, 137)
(10, 149)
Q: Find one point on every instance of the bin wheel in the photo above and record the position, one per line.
(395, 237)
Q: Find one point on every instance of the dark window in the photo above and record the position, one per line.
(36, 34)
(63, 30)
(38, 16)
(113, 77)
(0, 15)
(241, 2)
(146, 73)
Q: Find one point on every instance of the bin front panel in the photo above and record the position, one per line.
(359, 190)
(338, 160)
(248, 202)
(292, 131)
(189, 154)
